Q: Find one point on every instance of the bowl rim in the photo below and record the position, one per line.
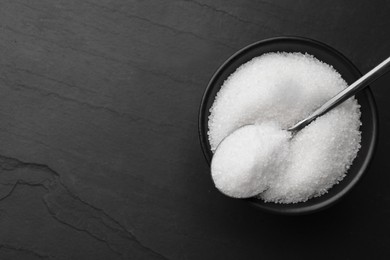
(203, 137)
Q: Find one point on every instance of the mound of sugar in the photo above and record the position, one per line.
(249, 159)
(280, 87)
(320, 154)
(284, 88)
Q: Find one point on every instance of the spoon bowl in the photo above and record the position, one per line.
(350, 74)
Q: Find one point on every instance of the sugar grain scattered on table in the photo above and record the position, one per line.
(273, 92)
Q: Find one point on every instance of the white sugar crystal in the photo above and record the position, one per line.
(248, 160)
(320, 155)
(283, 88)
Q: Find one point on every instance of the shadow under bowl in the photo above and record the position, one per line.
(350, 74)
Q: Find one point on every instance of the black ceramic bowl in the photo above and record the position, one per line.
(348, 71)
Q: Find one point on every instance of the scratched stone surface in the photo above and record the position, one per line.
(99, 153)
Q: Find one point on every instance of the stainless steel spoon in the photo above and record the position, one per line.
(343, 95)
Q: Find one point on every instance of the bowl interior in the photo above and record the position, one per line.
(348, 71)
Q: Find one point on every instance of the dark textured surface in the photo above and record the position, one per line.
(99, 153)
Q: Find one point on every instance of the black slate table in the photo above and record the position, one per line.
(99, 152)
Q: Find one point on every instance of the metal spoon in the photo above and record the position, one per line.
(343, 95)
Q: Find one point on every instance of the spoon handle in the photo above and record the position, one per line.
(343, 95)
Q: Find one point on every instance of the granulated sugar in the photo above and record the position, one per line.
(247, 161)
(283, 88)
(320, 155)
